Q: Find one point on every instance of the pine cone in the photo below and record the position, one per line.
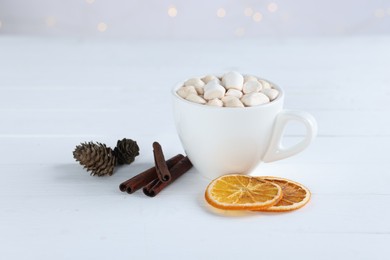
(126, 150)
(97, 158)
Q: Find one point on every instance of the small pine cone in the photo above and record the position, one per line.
(126, 150)
(97, 158)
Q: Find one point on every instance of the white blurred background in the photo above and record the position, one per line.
(189, 19)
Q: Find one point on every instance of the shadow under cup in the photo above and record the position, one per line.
(225, 140)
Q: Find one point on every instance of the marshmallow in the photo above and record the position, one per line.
(195, 98)
(231, 101)
(208, 78)
(254, 99)
(196, 82)
(211, 84)
(234, 92)
(214, 91)
(265, 84)
(233, 80)
(249, 78)
(271, 93)
(215, 102)
(227, 98)
(186, 90)
(252, 86)
(199, 90)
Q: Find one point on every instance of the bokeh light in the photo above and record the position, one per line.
(248, 11)
(102, 27)
(257, 17)
(172, 11)
(221, 12)
(272, 7)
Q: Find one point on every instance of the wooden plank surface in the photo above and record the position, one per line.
(56, 93)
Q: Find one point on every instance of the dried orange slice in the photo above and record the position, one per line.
(295, 195)
(241, 192)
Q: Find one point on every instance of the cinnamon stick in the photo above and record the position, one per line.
(154, 187)
(161, 166)
(145, 177)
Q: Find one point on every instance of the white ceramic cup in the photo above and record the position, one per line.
(225, 140)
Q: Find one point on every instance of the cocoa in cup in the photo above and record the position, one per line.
(226, 140)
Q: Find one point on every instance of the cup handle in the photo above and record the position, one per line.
(276, 151)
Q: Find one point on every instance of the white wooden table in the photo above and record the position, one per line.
(56, 93)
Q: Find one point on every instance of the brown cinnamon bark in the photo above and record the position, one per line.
(161, 166)
(154, 187)
(142, 179)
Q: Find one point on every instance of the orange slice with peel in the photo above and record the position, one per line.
(295, 195)
(241, 192)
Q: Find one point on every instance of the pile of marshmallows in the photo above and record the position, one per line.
(232, 90)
